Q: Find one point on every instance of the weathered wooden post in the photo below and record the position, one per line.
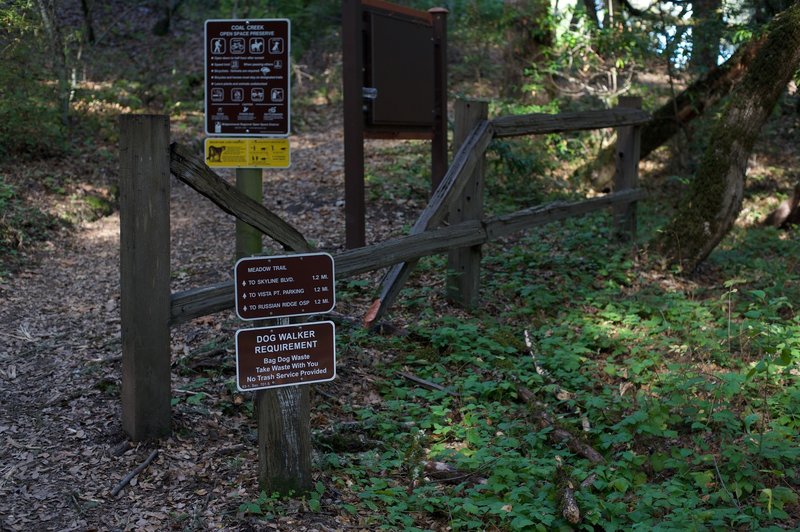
(144, 275)
(353, 84)
(283, 414)
(464, 264)
(439, 138)
(248, 239)
(284, 440)
(627, 172)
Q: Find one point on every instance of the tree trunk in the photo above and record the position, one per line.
(591, 12)
(528, 35)
(57, 46)
(706, 34)
(87, 21)
(714, 200)
(676, 114)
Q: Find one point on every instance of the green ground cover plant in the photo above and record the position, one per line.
(688, 389)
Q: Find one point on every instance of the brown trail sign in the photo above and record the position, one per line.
(283, 286)
(247, 77)
(285, 355)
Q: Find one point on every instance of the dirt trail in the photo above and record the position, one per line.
(61, 445)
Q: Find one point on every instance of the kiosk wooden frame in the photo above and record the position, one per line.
(369, 31)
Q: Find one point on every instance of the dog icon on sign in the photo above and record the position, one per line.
(215, 154)
(276, 45)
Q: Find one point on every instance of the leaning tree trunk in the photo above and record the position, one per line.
(714, 199)
(677, 113)
(693, 101)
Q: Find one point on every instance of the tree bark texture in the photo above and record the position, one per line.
(714, 199)
(57, 46)
(528, 35)
(692, 102)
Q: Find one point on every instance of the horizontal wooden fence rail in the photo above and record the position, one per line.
(542, 123)
(426, 237)
(506, 224)
(198, 302)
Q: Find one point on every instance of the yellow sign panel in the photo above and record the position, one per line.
(247, 153)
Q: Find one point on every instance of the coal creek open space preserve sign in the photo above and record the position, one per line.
(247, 77)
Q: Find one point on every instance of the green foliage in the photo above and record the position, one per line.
(311, 21)
(30, 123)
(21, 225)
(691, 395)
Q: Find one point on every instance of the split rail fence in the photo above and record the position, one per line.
(149, 308)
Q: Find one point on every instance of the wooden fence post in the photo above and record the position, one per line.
(627, 171)
(249, 181)
(463, 264)
(353, 83)
(439, 140)
(283, 414)
(284, 440)
(144, 275)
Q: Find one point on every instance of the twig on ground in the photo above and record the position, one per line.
(106, 360)
(447, 474)
(558, 434)
(733, 497)
(426, 383)
(326, 395)
(588, 481)
(141, 467)
(569, 506)
(560, 393)
(194, 392)
(121, 448)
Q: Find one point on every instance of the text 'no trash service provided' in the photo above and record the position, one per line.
(286, 285)
(285, 355)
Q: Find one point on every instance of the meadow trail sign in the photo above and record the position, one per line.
(283, 286)
(247, 77)
(277, 287)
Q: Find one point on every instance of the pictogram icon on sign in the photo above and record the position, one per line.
(256, 45)
(237, 46)
(276, 45)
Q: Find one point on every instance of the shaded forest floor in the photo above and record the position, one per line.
(62, 450)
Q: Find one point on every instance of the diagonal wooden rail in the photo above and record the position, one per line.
(193, 171)
(426, 236)
(148, 309)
